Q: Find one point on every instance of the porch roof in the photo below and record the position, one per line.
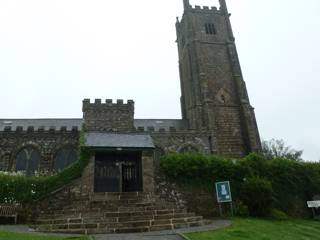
(111, 140)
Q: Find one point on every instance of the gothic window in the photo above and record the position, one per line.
(28, 160)
(210, 29)
(64, 158)
(189, 149)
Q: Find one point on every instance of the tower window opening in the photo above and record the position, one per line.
(223, 99)
(210, 29)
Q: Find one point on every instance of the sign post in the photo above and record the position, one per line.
(315, 206)
(223, 192)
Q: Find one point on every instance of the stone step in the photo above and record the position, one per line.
(103, 204)
(129, 224)
(186, 220)
(131, 230)
(104, 207)
(114, 213)
(164, 219)
(58, 221)
(161, 227)
(121, 198)
(173, 216)
(126, 227)
(124, 214)
(122, 195)
(56, 227)
(68, 231)
(114, 222)
(121, 213)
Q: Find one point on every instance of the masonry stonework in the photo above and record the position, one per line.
(122, 181)
(46, 143)
(108, 116)
(217, 117)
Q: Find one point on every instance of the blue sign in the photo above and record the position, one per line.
(223, 192)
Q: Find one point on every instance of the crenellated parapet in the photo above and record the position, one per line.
(41, 129)
(108, 116)
(204, 8)
(107, 104)
(212, 9)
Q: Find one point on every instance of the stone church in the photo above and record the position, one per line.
(217, 117)
(120, 190)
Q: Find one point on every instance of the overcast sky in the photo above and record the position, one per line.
(54, 53)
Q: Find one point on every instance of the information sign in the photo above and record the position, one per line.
(223, 192)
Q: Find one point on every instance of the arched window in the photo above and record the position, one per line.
(64, 158)
(210, 29)
(28, 160)
(189, 149)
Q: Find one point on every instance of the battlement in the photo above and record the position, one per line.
(39, 129)
(108, 116)
(152, 129)
(108, 104)
(222, 8)
(204, 8)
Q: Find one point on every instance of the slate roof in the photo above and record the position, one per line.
(70, 123)
(107, 140)
(41, 123)
(166, 124)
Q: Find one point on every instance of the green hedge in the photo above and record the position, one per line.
(21, 189)
(293, 183)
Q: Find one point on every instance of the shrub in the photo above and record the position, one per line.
(257, 195)
(278, 215)
(293, 182)
(22, 189)
(240, 209)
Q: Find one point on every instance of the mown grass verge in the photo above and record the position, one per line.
(258, 229)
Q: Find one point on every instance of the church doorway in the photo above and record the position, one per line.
(118, 171)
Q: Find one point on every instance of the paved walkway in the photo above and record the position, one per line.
(165, 235)
(161, 235)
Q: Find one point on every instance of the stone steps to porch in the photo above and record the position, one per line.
(122, 227)
(114, 213)
(114, 217)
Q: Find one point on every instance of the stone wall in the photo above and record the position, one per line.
(193, 199)
(108, 116)
(46, 143)
(148, 171)
(214, 94)
(184, 141)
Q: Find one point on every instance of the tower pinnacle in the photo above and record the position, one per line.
(223, 6)
(186, 4)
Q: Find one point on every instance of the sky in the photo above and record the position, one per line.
(55, 53)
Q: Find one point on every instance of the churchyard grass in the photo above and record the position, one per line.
(27, 236)
(257, 229)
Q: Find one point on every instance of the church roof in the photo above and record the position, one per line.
(158, 124)
(73, 123)
(46, 124)
(110, 140)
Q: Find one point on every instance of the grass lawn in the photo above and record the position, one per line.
(255, 229)
(19, 236)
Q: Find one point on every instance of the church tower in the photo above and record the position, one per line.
(214, 96)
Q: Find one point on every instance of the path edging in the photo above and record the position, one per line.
(183, 236)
